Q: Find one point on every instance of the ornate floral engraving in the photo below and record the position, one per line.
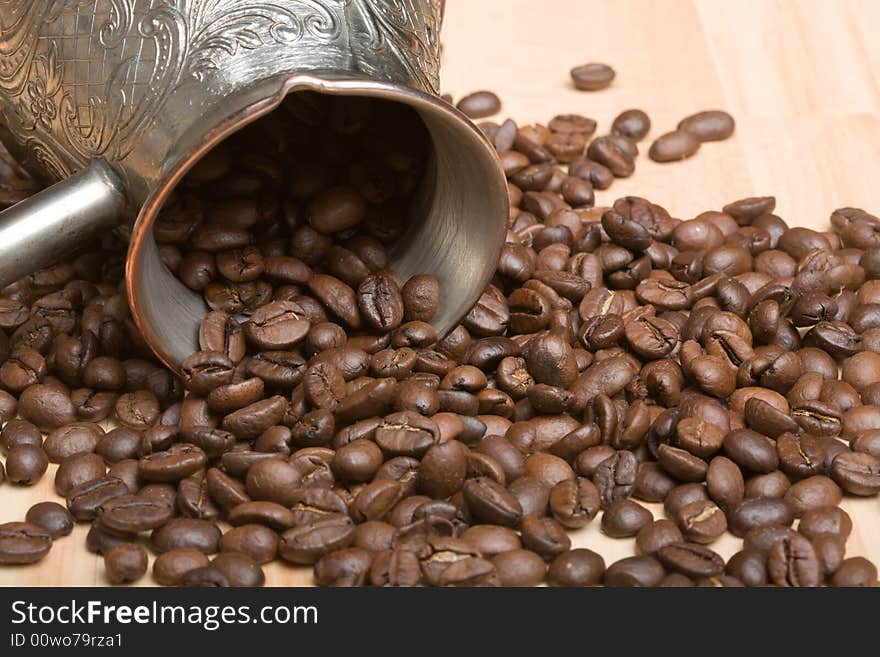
(81, 79)
(408, 30)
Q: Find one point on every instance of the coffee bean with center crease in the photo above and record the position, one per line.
(592, 76)
(380, 302)
(276, 326)
(691, 560)
(701, 521)
(172, 465)
(676, 145)
(574, 502)
(308, 543)
(23, 543)
(616, 476)
(792, 561)
(85, 501)
(490, 502)
(857, 473)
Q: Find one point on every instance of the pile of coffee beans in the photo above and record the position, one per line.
(726, 366)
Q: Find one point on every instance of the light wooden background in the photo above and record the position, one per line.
(801, 77)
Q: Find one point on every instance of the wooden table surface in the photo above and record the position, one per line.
(802, 79)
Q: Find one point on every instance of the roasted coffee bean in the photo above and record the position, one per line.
(579, 567)
(652, 484)
(172, 465)
(701, 521)
(71, 439)
(751, 451)
(710, 125)
(490, 502)
(641, 571)
(201, 535)
(76, 470)
(308, 543)
(23, 543)
(26, 464)
(592, 76)
(170, 567)
(856, 473)
(749, 567)
(519, 568)
(814, 492)
(633, 124)
(52, 517)
(757, 512)
(792, 561)
(676, 145)
(830, 520)
(691, 560)
(623, 518)
(609, 153)
(124, 563)
(575, 502)
(855, 571)
(480, 104)
(724, 482)
(615, 476)
(656, 535)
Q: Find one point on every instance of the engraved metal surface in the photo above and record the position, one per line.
(86, 79)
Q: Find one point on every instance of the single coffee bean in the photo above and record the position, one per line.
(23, 543)
(701, 521)
(724, 482)
(124, 563)
(672, 146)
(240, 569)
(814, 492)
(856, 473)
(480, 104)
(76, 470)
(170, 567)
(624, 518)
(749, 567)
(691, 559)
(710, 125)
(855, 571)
(756, 512)
(52, 517)
(633, 124)
(201, 535)
(71, 439)
(792, 561)
(615, 476)
(308, 543)
(519, 568)
(491, 503)
(830, 520)
(592, 77)
(657, 535)
(579, 567)
(26, 464)
(641, 571)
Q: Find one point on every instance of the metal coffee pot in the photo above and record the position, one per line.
(118, 99)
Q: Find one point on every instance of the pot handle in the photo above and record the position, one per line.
(45, 227)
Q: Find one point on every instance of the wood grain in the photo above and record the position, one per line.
(802, 79)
